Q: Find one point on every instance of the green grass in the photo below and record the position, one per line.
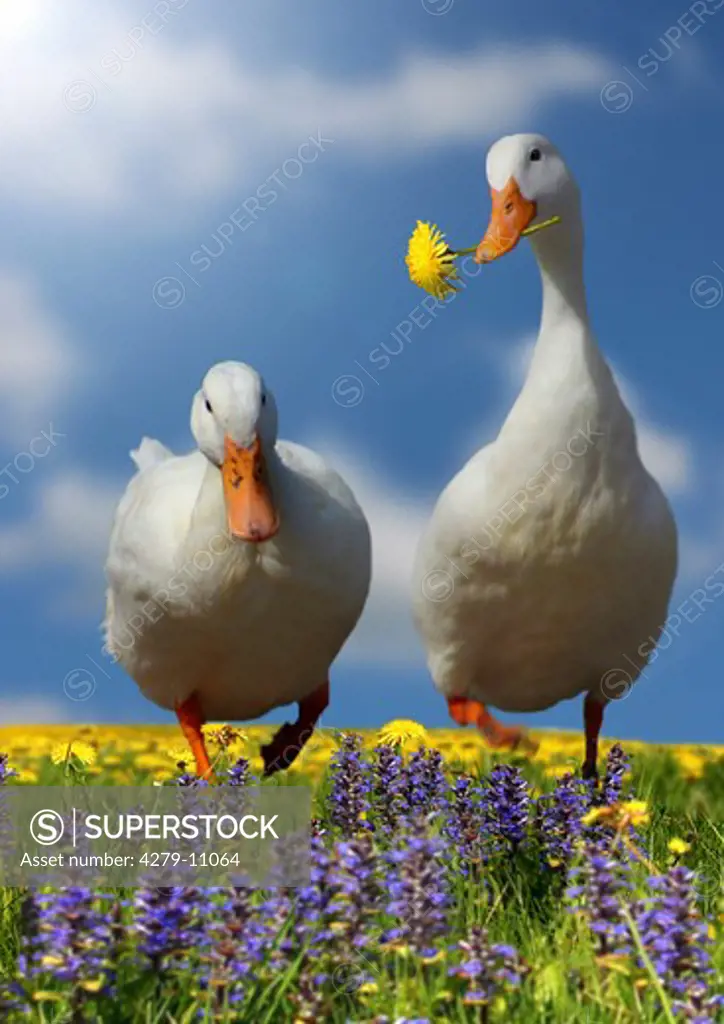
(520, 902)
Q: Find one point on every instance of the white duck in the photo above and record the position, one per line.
(550, 557)
(237, 572)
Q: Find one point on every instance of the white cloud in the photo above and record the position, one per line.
(439, 99)
(667, 456)
(104, 121)
(37, 360)
(385, 633)
(70, 524)
(699, 556)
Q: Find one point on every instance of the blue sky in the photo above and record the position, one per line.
(143, 142)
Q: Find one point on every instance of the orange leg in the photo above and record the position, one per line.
(287, 744)
(191, 720)
(470, 712)
(593, 720)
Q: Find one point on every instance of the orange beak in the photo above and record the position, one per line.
(512, 213)
(249, 504)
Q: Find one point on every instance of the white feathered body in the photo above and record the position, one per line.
(550, 558)
(246, 627)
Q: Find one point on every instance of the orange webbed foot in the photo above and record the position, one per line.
(498, 736)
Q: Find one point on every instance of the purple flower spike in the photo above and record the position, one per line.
(507, 804)
(418, 891)
(558, 820)
(597, 888)
(677, 942)
(465, 824)
(239, 773)
(167, 923)
(488, 970)
(388, 783)
(426, 786)
(351, 784)
(617, 764)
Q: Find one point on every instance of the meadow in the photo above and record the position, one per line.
(450, 883)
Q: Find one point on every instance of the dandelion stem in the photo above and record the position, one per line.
(457, 253)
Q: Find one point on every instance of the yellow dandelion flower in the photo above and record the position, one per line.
(678, 846)
(636, 812)
(558, 771)
(63, 752)
(430, 261)
(59, 753)
(622, 815)
(180, 754)
(136, 746)
(237, 749)
(403, 732)
(691, 764)
(150, 762)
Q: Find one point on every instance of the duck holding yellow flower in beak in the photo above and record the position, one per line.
(547, 567)
(235, 573)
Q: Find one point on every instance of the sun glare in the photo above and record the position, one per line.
(19, 20)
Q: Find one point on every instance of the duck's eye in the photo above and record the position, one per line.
(208, 406)
(535, 154)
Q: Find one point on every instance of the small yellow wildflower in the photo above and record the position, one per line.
(691, 764)
(149, 762)
(236, 749)
(430, 260)
(558, 771)
(678, 846)
(403, 732)
(51, 961)
(93, 984)
(180, 754)
(63, 752)
(59, 753)
(633, 812)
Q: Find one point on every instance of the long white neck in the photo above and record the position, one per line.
(569, 381)
(560, 260)
(565, 343)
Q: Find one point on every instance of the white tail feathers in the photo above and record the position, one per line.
(149, 453)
